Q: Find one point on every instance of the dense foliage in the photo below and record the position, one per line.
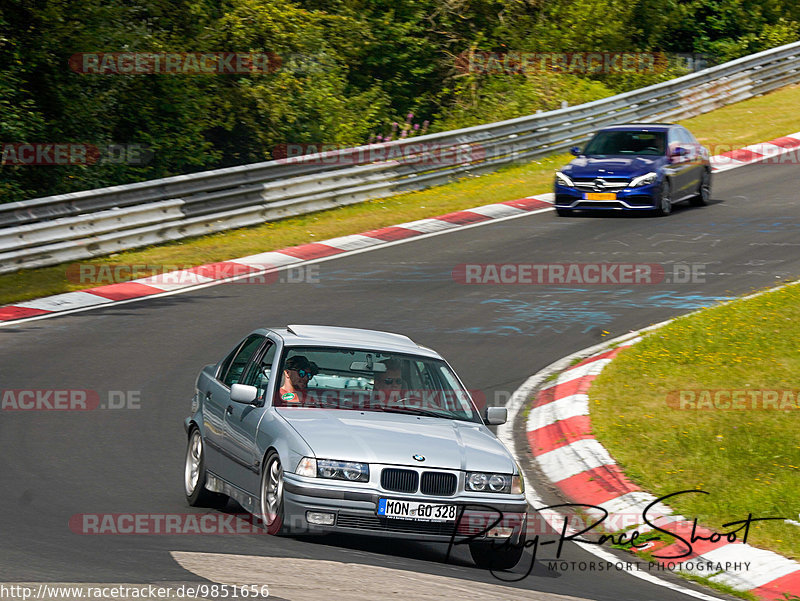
(349, 69)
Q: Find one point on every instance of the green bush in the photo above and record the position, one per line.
(350, 69)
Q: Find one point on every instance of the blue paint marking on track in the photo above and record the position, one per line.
(517, 316)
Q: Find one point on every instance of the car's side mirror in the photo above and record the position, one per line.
(576, 151)
(242, 393)
(680, 151)
(496, 415)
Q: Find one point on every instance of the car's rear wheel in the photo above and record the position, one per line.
(496, 555)
(272, 495)
(194, 475)
(664, 206)
(564, 212)
(703, 192)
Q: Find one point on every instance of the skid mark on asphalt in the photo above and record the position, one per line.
(314, 579)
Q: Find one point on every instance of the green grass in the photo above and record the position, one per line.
(747, 459)
(755, 120)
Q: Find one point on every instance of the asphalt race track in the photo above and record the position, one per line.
(58, 464)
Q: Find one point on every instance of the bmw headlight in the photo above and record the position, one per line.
(517, 484)
(500, 483)
(331, 469)
(564, 180)
(644, 180)
(307, 467)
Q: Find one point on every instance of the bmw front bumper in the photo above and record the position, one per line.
(354, 511)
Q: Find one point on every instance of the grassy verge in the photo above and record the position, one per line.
(748, 122)
(515, 182)
(748, 459)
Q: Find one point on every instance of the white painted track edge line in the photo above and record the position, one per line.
(542, 196)
(192, 288)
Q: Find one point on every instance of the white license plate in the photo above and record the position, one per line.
(414, 510)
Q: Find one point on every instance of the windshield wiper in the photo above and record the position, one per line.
(415, 411)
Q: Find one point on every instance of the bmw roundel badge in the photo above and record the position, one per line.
(418, 457)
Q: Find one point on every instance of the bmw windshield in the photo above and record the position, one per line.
(363, 380)
(623, 143)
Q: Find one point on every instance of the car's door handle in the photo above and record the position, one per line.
(229, 410)
(208, 395)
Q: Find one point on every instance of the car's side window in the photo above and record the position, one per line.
(260, 371)
(688, 139)
(673, 140)
(237, 361)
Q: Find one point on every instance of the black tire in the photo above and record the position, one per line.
(703, 191)
(664, 206)
(271, 497)
(496, 555)
(194, 475)
(564, 212)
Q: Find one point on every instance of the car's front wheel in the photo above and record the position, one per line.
(194, 475)
(703, 192)
(495, 555)
(664, 206)
(272, 494)
(564, 212)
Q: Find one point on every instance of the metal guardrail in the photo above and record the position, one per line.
(54, 229)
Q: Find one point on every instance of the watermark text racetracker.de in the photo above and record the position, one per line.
(167, 524)
(579, 273)
(99, 274)
(522, 62)
(39, 154)
(53, 399)
(744, 399)
(781, 151)
(414, 153)
(174, 63)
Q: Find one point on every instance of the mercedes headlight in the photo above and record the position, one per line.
(644, 180)
(564, 180)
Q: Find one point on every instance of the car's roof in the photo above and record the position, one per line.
(640, 127)
(315, 335)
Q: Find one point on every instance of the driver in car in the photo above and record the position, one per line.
(389, 384)
(296, 374)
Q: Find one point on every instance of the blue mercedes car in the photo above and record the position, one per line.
(636, 167)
